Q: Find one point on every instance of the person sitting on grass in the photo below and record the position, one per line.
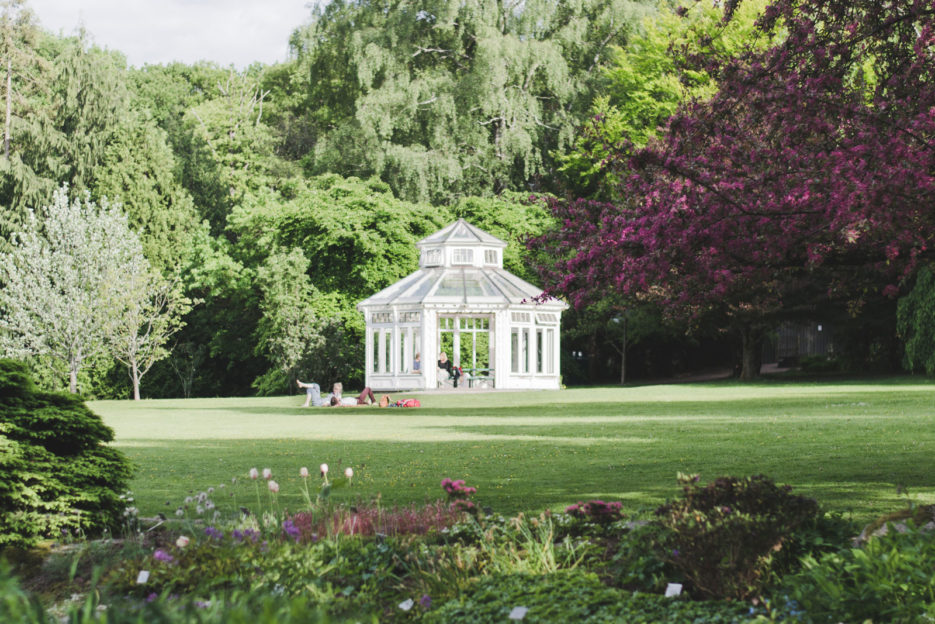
(312, 393)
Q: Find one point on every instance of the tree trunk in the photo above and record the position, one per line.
(595, 370)
(135, 373)
(73, 380)
(751, 351)
(623, 355)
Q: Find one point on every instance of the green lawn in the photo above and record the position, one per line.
(849, 444)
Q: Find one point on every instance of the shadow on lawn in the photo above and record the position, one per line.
(851, 404)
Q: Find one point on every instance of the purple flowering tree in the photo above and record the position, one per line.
(807, 179)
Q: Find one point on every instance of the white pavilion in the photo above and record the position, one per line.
(461, 301)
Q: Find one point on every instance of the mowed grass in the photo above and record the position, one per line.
(848, 444)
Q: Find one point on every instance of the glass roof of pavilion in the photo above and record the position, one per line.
(462, 285)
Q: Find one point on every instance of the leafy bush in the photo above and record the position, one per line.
(636, 563)
(729, 537)
(341, 575)
(258, 607)
(572, 596)
(58, 474)
(889, 579)
(596, 511)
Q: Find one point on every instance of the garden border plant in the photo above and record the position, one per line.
(60, 476)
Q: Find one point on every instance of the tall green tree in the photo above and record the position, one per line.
(72, 96)
(138, 169)
(26, 77)
(232, 150)
(290, 330)
(644, 81)
(89, 100)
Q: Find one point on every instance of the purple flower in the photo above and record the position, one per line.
(291, 530)
(151, 597)
(426, 601)
(675, 553)
(161, 555)
(237, 535)
(214, 533)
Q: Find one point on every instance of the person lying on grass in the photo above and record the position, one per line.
(312, 393)
(336, 398)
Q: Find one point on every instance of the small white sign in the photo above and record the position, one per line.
(518, 613)
(142, 577)
(405, 605)
(673, 589)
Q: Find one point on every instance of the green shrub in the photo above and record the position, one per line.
(341, 575)
(573, 596)
(58, 473)
(889, 579)
(730, 537)
(636, 563)
(813, 364)
(247, 607)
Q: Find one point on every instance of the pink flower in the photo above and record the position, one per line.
(349, 472)
(253, 473)
(324, 469)
(273, 486)
(267, 474)
(303, 472)
(182, 541)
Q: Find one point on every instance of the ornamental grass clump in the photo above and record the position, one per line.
(730, 537)
(372, 519)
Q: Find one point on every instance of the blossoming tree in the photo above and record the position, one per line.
(808, 177)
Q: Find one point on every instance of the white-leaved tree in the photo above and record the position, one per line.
(152, 310)
(74, 278)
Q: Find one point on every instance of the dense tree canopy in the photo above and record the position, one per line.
(730, 174)
(806, 177)
(441, 99)
(643, 84)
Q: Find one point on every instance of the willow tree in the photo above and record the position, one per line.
(441, 99)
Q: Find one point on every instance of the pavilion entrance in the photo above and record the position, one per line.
(467, 341)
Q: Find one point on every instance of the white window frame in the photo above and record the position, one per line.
(462, 256)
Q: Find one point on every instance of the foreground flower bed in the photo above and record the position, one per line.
(728, 551)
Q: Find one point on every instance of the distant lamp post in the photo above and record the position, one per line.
(623, 319)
